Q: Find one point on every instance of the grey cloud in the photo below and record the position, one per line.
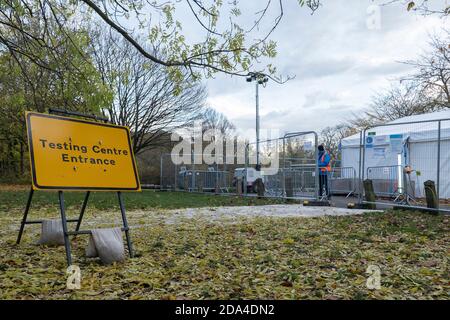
(319, 68)
(317, 98)
(338, 62)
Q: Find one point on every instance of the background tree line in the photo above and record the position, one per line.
(83, 55)
(95, 72)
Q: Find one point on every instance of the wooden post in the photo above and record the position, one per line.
(289, 188)
(260, 187)
(369, 194)
(431, 195)
(216, 185)
(199, 180)
(186, 182)
(239, 186)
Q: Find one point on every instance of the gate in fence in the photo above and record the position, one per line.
(399, 157)
(289, 166)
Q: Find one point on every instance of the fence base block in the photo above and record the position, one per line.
(352, 205)
(311, 203)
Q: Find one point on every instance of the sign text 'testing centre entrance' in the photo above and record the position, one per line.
(69, 153)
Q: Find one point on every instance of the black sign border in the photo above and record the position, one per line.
(32, 164)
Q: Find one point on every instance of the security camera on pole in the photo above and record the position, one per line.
(260, 79)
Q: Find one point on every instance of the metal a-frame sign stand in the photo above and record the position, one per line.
(64, 219)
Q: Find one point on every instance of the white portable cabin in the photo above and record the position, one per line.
(404, 143)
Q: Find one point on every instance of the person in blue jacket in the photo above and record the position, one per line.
(324, 162)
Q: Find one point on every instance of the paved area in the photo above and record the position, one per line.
(341, 202)
(149, 217)
(291, 210)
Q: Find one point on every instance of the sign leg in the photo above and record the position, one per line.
(125, 224)
(64, 225)
(25, 214)
(83, 208)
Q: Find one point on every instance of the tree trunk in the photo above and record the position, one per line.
(186, 182)
(22, 165)
(199, 181)
(239, 186)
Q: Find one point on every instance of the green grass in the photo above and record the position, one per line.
(146, 199)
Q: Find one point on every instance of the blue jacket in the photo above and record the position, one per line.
(325, 162)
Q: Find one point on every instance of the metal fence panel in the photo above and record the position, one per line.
(195, 177)
(387, 180)
(343, 181)
(168, 173)
(289, 169)
(294, 173)
(400, 156)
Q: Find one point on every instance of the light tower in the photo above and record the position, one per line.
(260, 79)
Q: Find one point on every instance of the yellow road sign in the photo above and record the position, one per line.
(68, 153)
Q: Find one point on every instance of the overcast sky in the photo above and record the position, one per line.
(338, 62)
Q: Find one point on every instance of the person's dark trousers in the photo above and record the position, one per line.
(323, 184)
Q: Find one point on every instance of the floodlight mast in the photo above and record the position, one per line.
(259, 78)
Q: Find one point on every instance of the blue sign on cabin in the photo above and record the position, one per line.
(369, 142)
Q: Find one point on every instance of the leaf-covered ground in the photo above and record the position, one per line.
(258, 258)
